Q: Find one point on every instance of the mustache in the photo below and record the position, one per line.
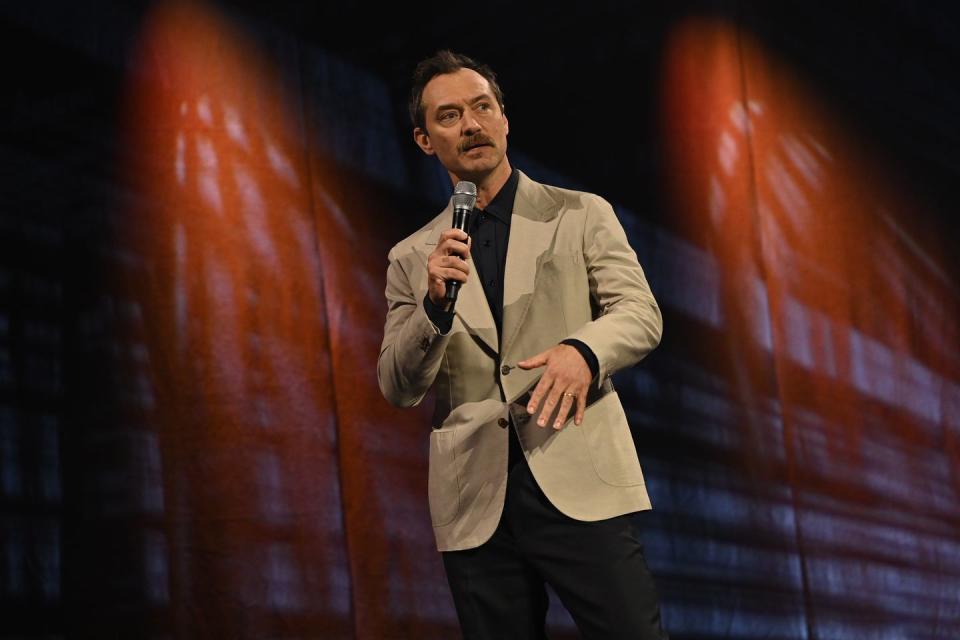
(475, 140)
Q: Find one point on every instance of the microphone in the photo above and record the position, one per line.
(464, 198)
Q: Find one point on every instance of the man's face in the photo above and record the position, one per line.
(465, 127)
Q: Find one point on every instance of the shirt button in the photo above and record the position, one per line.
(503, 422)
(505, 369)
(486, 243)
(492, 283)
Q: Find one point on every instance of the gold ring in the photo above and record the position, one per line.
(572, 395)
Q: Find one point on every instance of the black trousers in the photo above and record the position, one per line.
(597, 569)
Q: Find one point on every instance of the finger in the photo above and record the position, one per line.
(549, 405)
(445, 264)
(581, 407)
(455, 262)
(453, 247)
(456, 234)
(444, 273)
(452, 274)
(542, 388)
(458, 249)
(446, 242)
(536, 361)
(566, 402)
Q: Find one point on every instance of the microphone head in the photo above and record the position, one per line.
(464, 195)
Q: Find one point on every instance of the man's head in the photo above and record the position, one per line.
(445, 62)
(457, 111)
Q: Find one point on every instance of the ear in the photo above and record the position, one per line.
(506, 124)
(422, 138)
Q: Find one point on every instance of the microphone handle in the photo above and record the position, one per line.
(461, 220)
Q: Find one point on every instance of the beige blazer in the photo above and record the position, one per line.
(570, 273)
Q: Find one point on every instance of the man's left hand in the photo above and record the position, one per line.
(567, 377)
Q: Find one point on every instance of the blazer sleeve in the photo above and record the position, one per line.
(412, 348)
(629, 324)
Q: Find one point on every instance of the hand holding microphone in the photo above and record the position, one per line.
(447, 267)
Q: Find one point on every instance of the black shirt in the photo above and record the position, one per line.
(490, 230)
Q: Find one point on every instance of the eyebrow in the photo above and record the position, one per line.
(482, 96)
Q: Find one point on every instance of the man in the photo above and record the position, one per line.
(532, 465)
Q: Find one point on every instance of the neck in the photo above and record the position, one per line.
(488, 185)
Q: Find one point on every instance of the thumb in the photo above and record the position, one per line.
(538, 360)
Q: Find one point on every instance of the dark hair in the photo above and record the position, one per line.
(442, 62)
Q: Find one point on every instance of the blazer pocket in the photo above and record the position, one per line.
(610, 443)
(443, 482)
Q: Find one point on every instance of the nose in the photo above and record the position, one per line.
(470, 125)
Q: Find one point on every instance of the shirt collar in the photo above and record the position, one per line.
(501, 207)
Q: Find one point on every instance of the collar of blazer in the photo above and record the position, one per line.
(532, 230)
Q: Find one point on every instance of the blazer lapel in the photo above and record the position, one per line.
(471, 307)
(532, 231)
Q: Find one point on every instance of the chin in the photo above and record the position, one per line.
(481, 166)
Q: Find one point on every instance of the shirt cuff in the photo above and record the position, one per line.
(441, 319)
(587, 354)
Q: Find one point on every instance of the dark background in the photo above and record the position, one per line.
(136, 499)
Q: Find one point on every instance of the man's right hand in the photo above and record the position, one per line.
(448, 262)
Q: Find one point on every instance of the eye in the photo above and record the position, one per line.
(484, 106)
(447, 116)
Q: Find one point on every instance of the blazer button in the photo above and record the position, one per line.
(503, 423)
(505, 369)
